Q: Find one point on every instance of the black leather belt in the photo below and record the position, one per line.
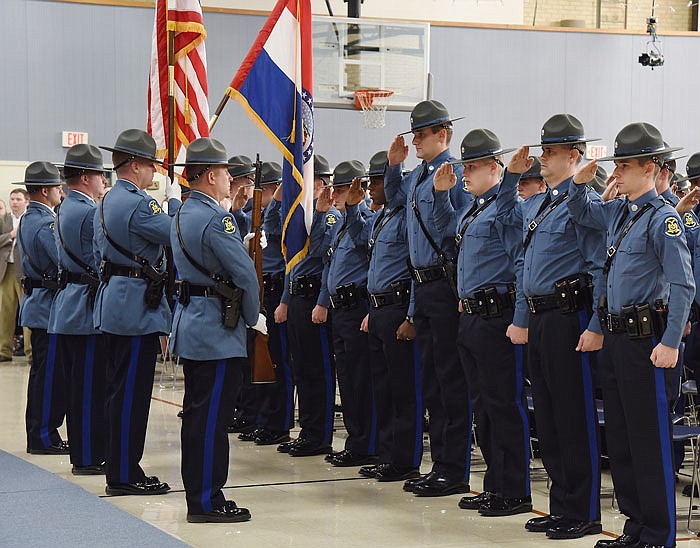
(81, 278)
(203, 291)
(614, 323)
(481, 306)
(348, 296)
(125, 271)
(305, 286)
(273, 283)
(542, 303)
(425, 275)
(44, 283)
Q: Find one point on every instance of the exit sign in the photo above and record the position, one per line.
(593, 152)
(70, 138)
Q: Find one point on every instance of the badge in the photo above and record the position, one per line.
(672, 228)
(690, 221)
(330, 219)
(155, 208)
(51, 226)
(229, 227)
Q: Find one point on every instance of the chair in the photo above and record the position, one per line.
(684, 433)
(168, 367)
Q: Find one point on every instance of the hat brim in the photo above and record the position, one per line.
(687, 178)
(484, 157)
(363, 179)
(432, 124)
(25, 183)
(561, 143)
(642, 155)
(86, 168)
(263, 183)
(135, 154)
(227, 165)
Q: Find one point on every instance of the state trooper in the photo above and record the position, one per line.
(432, 256)
(649, 291)
(345, 277)
(46, 393)
(561, 278)
(493, 323)
(531, 182)
(79, 346)
(130, 231)
(394, 364)
(274, 401)
(218, 296)
(305, 305)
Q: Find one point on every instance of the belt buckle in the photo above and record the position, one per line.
(418, 276)
(608, 321)
(373, 301)
(467, 306)
(532, 226)
(531, 305)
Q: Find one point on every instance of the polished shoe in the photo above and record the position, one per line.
(240, 426)
(474, 503)
(228, 513)
(330, 456)
(501, 506)
(391, 472)
(308, 448)
(408, 485)
(440, 486)
(352, 459)
(286, 446)
(250, 436)
(619, 542)
(573, 528)
(268, 437)
(151, 485)
(687, 489)
(369, 471)
(89, 470)
(61, 448)
(543, 524)
(180, 414)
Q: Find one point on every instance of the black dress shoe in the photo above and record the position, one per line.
(474, 503)
(240, 426)
(330, 456)
(369, 471)
(408, 485)
(228, 513)
(571, 528)
(61, 448)
(687, 489)
(286, 446)
(352, 459)
(308, 448)
(619, 542)
(151, 485)
(543, 524)
(501, 506)
(391, 472)
(250, 436)
(268, 437)
(440, 486)
(180, 414)
(89, 470)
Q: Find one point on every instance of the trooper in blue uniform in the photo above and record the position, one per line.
(432, 256)
(394, 365)
(531, 182)
(80, 347)
(305, 305)
(130, 231)
(493, 323)
(562, 260)
(274, 402)
(217, 297)
(46, 394)
(345, 277)
(649, 291)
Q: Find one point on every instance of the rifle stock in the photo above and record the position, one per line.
(262, 369)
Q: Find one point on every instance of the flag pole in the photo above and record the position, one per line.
(218, 111)
(170, 264)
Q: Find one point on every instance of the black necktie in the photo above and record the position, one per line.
(423, 174)
(622, 220)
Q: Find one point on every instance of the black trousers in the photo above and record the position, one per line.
(354, 379)
(246, 396)
(445, 390)
(565, 413)
(85, 361)
(396, 380)
(205, 450)
(638, 430)
(46, 392)
(131, 364)
(313, 370)
(494, 368)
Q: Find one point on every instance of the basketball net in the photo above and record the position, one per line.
(373, 103)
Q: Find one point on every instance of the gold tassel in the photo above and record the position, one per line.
(188, 115)
(293, 136)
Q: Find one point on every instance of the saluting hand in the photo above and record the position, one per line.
(611, 190)
(356, 194)
(589, 341)
(444, 178)
(520, 162)
(325, 200)
(240, 199)
(277, 196)
(587, 173)
(398, 151)
(689, 201)
(664, 356)
(663, 180)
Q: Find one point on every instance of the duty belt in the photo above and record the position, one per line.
(430, 274)
(488, 303)
(348, 296)
(81, 278)
(400, 294)
(125, 271)
(199, 290)
(637, 321)
(614, 323)
(542, 303)
(36, 283)
(273, 283)
(305, 286)
(572, 294)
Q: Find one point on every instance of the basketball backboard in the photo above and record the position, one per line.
(352, 54)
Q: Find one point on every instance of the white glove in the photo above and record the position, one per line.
(248, 238)
(172, 190)
(261, 326)
(263, 240)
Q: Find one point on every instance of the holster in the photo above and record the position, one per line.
(155, 284)
(27, 285)
(450, 268)
(572, 294)
(231, 300)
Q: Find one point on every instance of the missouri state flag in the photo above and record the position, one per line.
(274, 85)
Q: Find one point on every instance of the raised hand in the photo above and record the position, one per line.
(356, 194)
(398, 151)
(689, 201)
(611, 191)
(587, 173)
(521, 161)
(277, 196)
(240, 199)
(325, 200)
(444, 178)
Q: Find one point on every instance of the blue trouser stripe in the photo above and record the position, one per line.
(372, 449)
(417, 376)
(87, 399)
(591, 421)
(212, 417)
(523, 413)
(126, 408)
(49, 373)
(330, 385)
(287, 372)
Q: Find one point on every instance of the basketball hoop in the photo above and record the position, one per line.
(373, 103)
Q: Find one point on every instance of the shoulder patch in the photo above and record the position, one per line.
(690, 221)
(228, 224)
(330, 219)
(155, 208)
(672, 228)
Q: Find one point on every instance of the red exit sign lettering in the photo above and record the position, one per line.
(70, 138)
(593, 152)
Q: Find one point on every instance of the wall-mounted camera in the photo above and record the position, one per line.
(653, 56)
